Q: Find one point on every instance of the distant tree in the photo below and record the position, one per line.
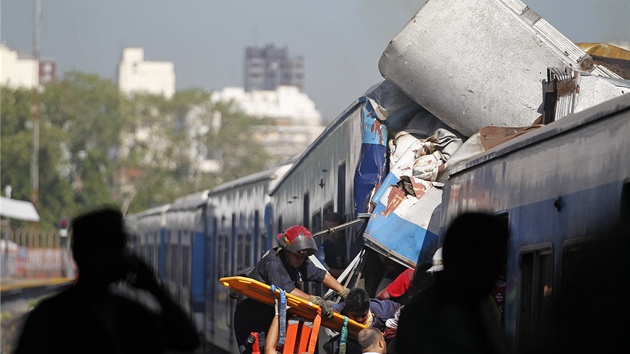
(55, 195)
(171, 139)
(89, 111)
(234, 145)
(98, 146)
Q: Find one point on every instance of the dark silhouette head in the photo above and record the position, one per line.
(474, 251)
(98, 245)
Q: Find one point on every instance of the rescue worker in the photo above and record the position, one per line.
(286, 267)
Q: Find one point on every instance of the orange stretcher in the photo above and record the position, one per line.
(300, 332)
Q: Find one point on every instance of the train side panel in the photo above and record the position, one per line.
(185, 265)
(237, 238)
(556, 187)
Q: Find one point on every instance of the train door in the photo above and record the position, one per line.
(534, 301)
(211, 282)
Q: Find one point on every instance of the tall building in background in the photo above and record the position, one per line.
(269, 67)
(137, 75)
(295, 122)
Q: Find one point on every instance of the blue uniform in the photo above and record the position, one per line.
(273, 269)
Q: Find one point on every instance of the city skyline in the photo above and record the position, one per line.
(340, 42)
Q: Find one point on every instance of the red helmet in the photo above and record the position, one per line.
(298, 238)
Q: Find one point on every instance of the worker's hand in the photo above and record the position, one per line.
(326, 308)
(344, 292)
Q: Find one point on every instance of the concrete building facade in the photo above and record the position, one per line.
(16, 70)
(296, 121)
(267, 68)
(138, 76)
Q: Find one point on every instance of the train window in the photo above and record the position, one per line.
(328, 208)
(316, 221)
(186, 266)
(572, 254)
(240, 252)
(221, 256)
(248, 250)
(175, 265)
(536, 281)
(259, 243)
(341, 189)
(625, 201)
(306, 210)
(167, 256)
(280, 229)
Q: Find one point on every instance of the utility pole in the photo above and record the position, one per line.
(5, 261)
(35, 109)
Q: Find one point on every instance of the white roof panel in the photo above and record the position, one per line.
(18, 209)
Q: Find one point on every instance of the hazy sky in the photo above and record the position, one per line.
(341, 41)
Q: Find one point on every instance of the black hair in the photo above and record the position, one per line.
(357, 301)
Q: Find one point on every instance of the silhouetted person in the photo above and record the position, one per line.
(453, 315)
(90, 317)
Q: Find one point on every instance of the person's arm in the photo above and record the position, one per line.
(332, 283)
(180, 333)
(272, 336)
(398, 287)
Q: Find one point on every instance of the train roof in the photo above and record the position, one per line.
(193, 200)
(155, 210)
(568, 123)
(269, 174)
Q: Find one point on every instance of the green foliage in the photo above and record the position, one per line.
(98, 146)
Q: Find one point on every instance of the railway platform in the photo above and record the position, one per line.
(13, 284)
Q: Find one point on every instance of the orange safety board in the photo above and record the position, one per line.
(261, 292)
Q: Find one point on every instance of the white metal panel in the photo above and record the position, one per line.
(475, 63)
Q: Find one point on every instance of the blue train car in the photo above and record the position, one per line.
(239, 218)
(184, 254)
(556, 188)
(148, 230)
